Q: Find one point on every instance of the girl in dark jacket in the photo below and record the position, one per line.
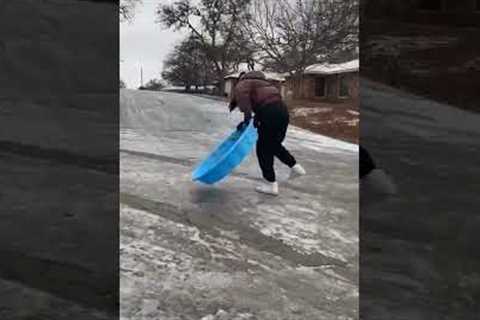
(253, 94)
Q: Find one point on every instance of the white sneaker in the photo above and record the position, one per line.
(297, 171)
(377, 181)
(270, 188)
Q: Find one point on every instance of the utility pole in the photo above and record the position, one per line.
(141, 76)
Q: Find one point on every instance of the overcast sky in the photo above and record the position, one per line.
(144, 43)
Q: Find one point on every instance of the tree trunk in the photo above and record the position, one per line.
(251, 65)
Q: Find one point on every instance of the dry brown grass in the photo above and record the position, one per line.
(339, 120)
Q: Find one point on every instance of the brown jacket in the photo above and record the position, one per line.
(251, 94)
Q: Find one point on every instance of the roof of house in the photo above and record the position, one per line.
(269, 75)
(319, 68)
(327, 68)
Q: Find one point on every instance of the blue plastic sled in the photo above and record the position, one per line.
(227, 156)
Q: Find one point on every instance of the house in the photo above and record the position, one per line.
(276, 78)
(326, 81)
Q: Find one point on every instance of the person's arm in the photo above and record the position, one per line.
(243, 93)
(233, 103)
(247, 116)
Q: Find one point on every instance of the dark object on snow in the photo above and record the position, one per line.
(366, 163)
(231, 106)
(256, 122)
(242, 125)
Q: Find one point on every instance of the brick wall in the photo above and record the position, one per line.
(308, 87)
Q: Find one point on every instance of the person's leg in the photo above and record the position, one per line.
(265, 160)
(285, 156)
(282, 121)
(265, 157)
(282, 153)
(277, 125)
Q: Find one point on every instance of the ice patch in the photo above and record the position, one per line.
(303, 233)
(224, 315)
(318, 142)
(352, 123)
(422, 117)
(304, 112)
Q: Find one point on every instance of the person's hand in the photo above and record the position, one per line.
(242, 125)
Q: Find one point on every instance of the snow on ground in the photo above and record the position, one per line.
(173, 88)
(14, 298)
(353, 122)
(318, 142)
(304, 112)
(417, 249)
(46, 108)
(379, 44)
(226, 252)
(420, 117)
(56, 101)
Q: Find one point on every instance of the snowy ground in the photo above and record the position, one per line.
(225, 252)
(23, 302)
(419, 250)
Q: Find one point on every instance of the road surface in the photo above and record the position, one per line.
(419, 252)
(58, 182)
(189, 251)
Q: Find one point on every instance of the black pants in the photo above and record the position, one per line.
(272, 122)
(366, 162)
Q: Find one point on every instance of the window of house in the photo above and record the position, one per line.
(320, 87)
(431, 5)
(343, 87)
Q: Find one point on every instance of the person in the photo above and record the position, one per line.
(254, 94)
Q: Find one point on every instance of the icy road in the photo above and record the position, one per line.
(420, 256)
(195, 252)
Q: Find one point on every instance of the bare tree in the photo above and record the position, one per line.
(187, 65)
(216, 24)
(291, 35)
(127, 9)
(154, 85)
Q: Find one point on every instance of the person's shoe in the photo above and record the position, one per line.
(377, 181)
(297, 171)
(270, 188)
